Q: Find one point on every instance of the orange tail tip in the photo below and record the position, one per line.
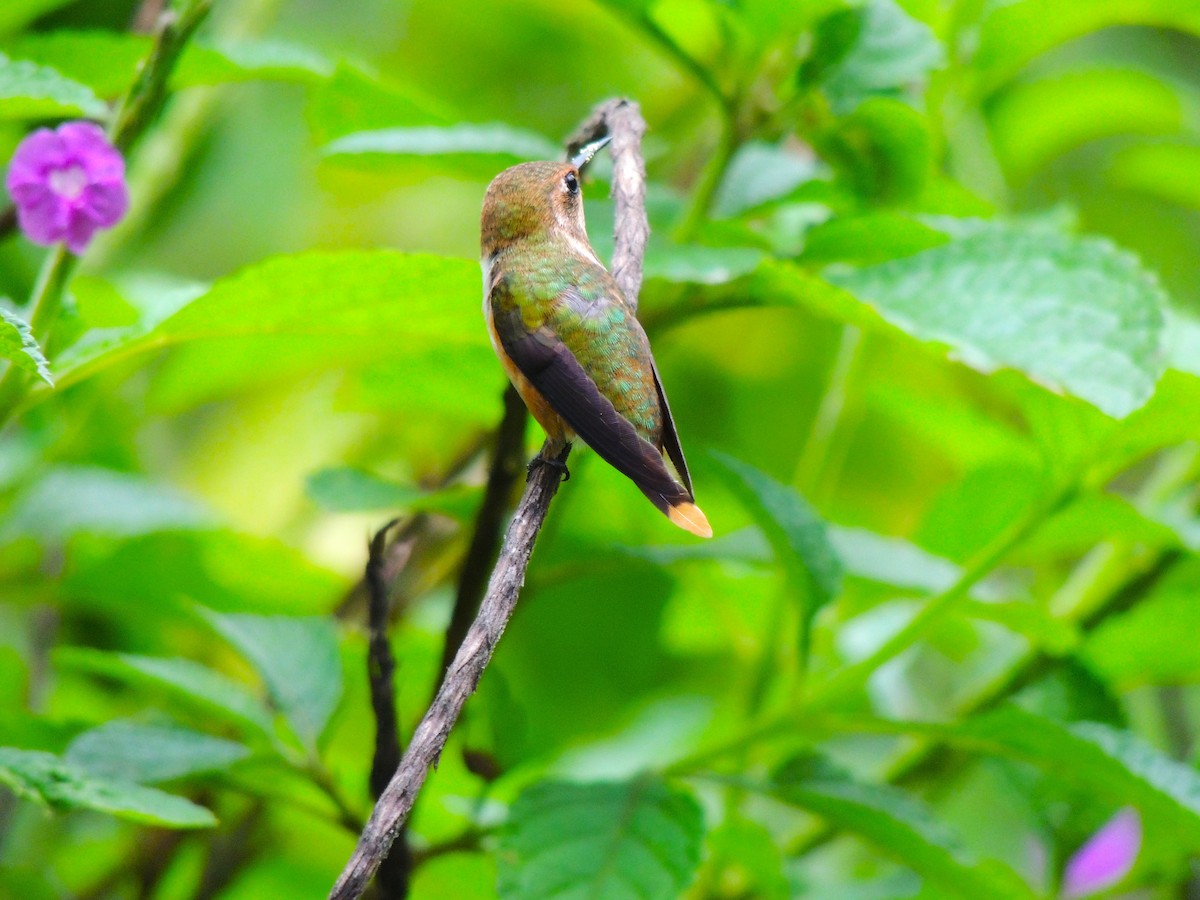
(690, 517)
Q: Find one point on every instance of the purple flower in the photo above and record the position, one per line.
(67, 184)
(1106, 858)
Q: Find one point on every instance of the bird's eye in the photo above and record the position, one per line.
(572, 183)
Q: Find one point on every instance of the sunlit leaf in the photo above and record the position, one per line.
(634, 839)
(44, 778)
(348, 489)
(889, 51)
(1076, 314)
(30, 91)
(18, 346)
(1013, 33)
(1037, 120)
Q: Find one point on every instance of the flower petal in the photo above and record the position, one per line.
(104, 203)
(1106, 858)
(80, 230)
(88, 146)
(40, 151)
(42, 214)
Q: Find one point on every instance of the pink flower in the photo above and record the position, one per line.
(1106, 858)
(67, 184)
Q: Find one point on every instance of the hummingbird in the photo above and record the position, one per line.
(569, 338)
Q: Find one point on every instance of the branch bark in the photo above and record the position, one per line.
(622, 119)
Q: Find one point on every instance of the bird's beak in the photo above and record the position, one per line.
(587, 151)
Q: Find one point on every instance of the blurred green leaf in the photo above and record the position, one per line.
(1099, 759)
(694, 264)
(1075, 314)
(44, 778)
(298, 660)
(106, 61)
(1012, 34)
(351, 101)
(882, 148)
(759, 174)
(1036, 120)
(148, 754)
(884, 51)
(181, 680)
(475, 148)
(754, 863)
(639, 839)
(797, 534)
(68, 500)
(18, 346)
(338, 306)
(894, 822)
(1153, 642)
(15, 13)
(1167, 170)
(348, 489)
(869, 239)
(30, 91)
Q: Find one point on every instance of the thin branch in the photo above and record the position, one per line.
(507, 462)
(429, 739)
(623, 120)
(394, 872)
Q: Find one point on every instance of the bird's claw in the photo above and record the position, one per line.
(556, 464)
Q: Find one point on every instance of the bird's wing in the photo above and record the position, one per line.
(553, 370)
(670, 438)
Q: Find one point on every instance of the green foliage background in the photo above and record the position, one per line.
(921, 284)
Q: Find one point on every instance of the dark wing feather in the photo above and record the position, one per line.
(670, 438)
(551, 368)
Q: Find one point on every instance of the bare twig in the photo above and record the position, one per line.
(507, 463)
(395, 869)
(622, 119)
(473, 656)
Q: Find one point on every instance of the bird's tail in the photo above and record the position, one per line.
(672, 498)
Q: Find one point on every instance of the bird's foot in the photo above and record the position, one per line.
(556, 464)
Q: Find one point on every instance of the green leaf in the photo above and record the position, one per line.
(71, 500)
(797, 534)
(760, 174)
(889, 51)
(1152, 643)
(1014, 33)
(1034, 121)
(352, 101)
(15, 13)
(869, 239)
(883, 149)
(45, 779)
(1074, 314)
(1099, 759)
(1167, 170)
(298, 660)
(347, 489)
(147, 754)
(18, 346)
(107, 61)
(320, 308)
(181, 679)
(633, 839)
(897, 824)
(30, 91)
(495, 145)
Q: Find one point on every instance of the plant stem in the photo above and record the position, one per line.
(855, 676)
(815, 455)
(46, 300)
(710, 181)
